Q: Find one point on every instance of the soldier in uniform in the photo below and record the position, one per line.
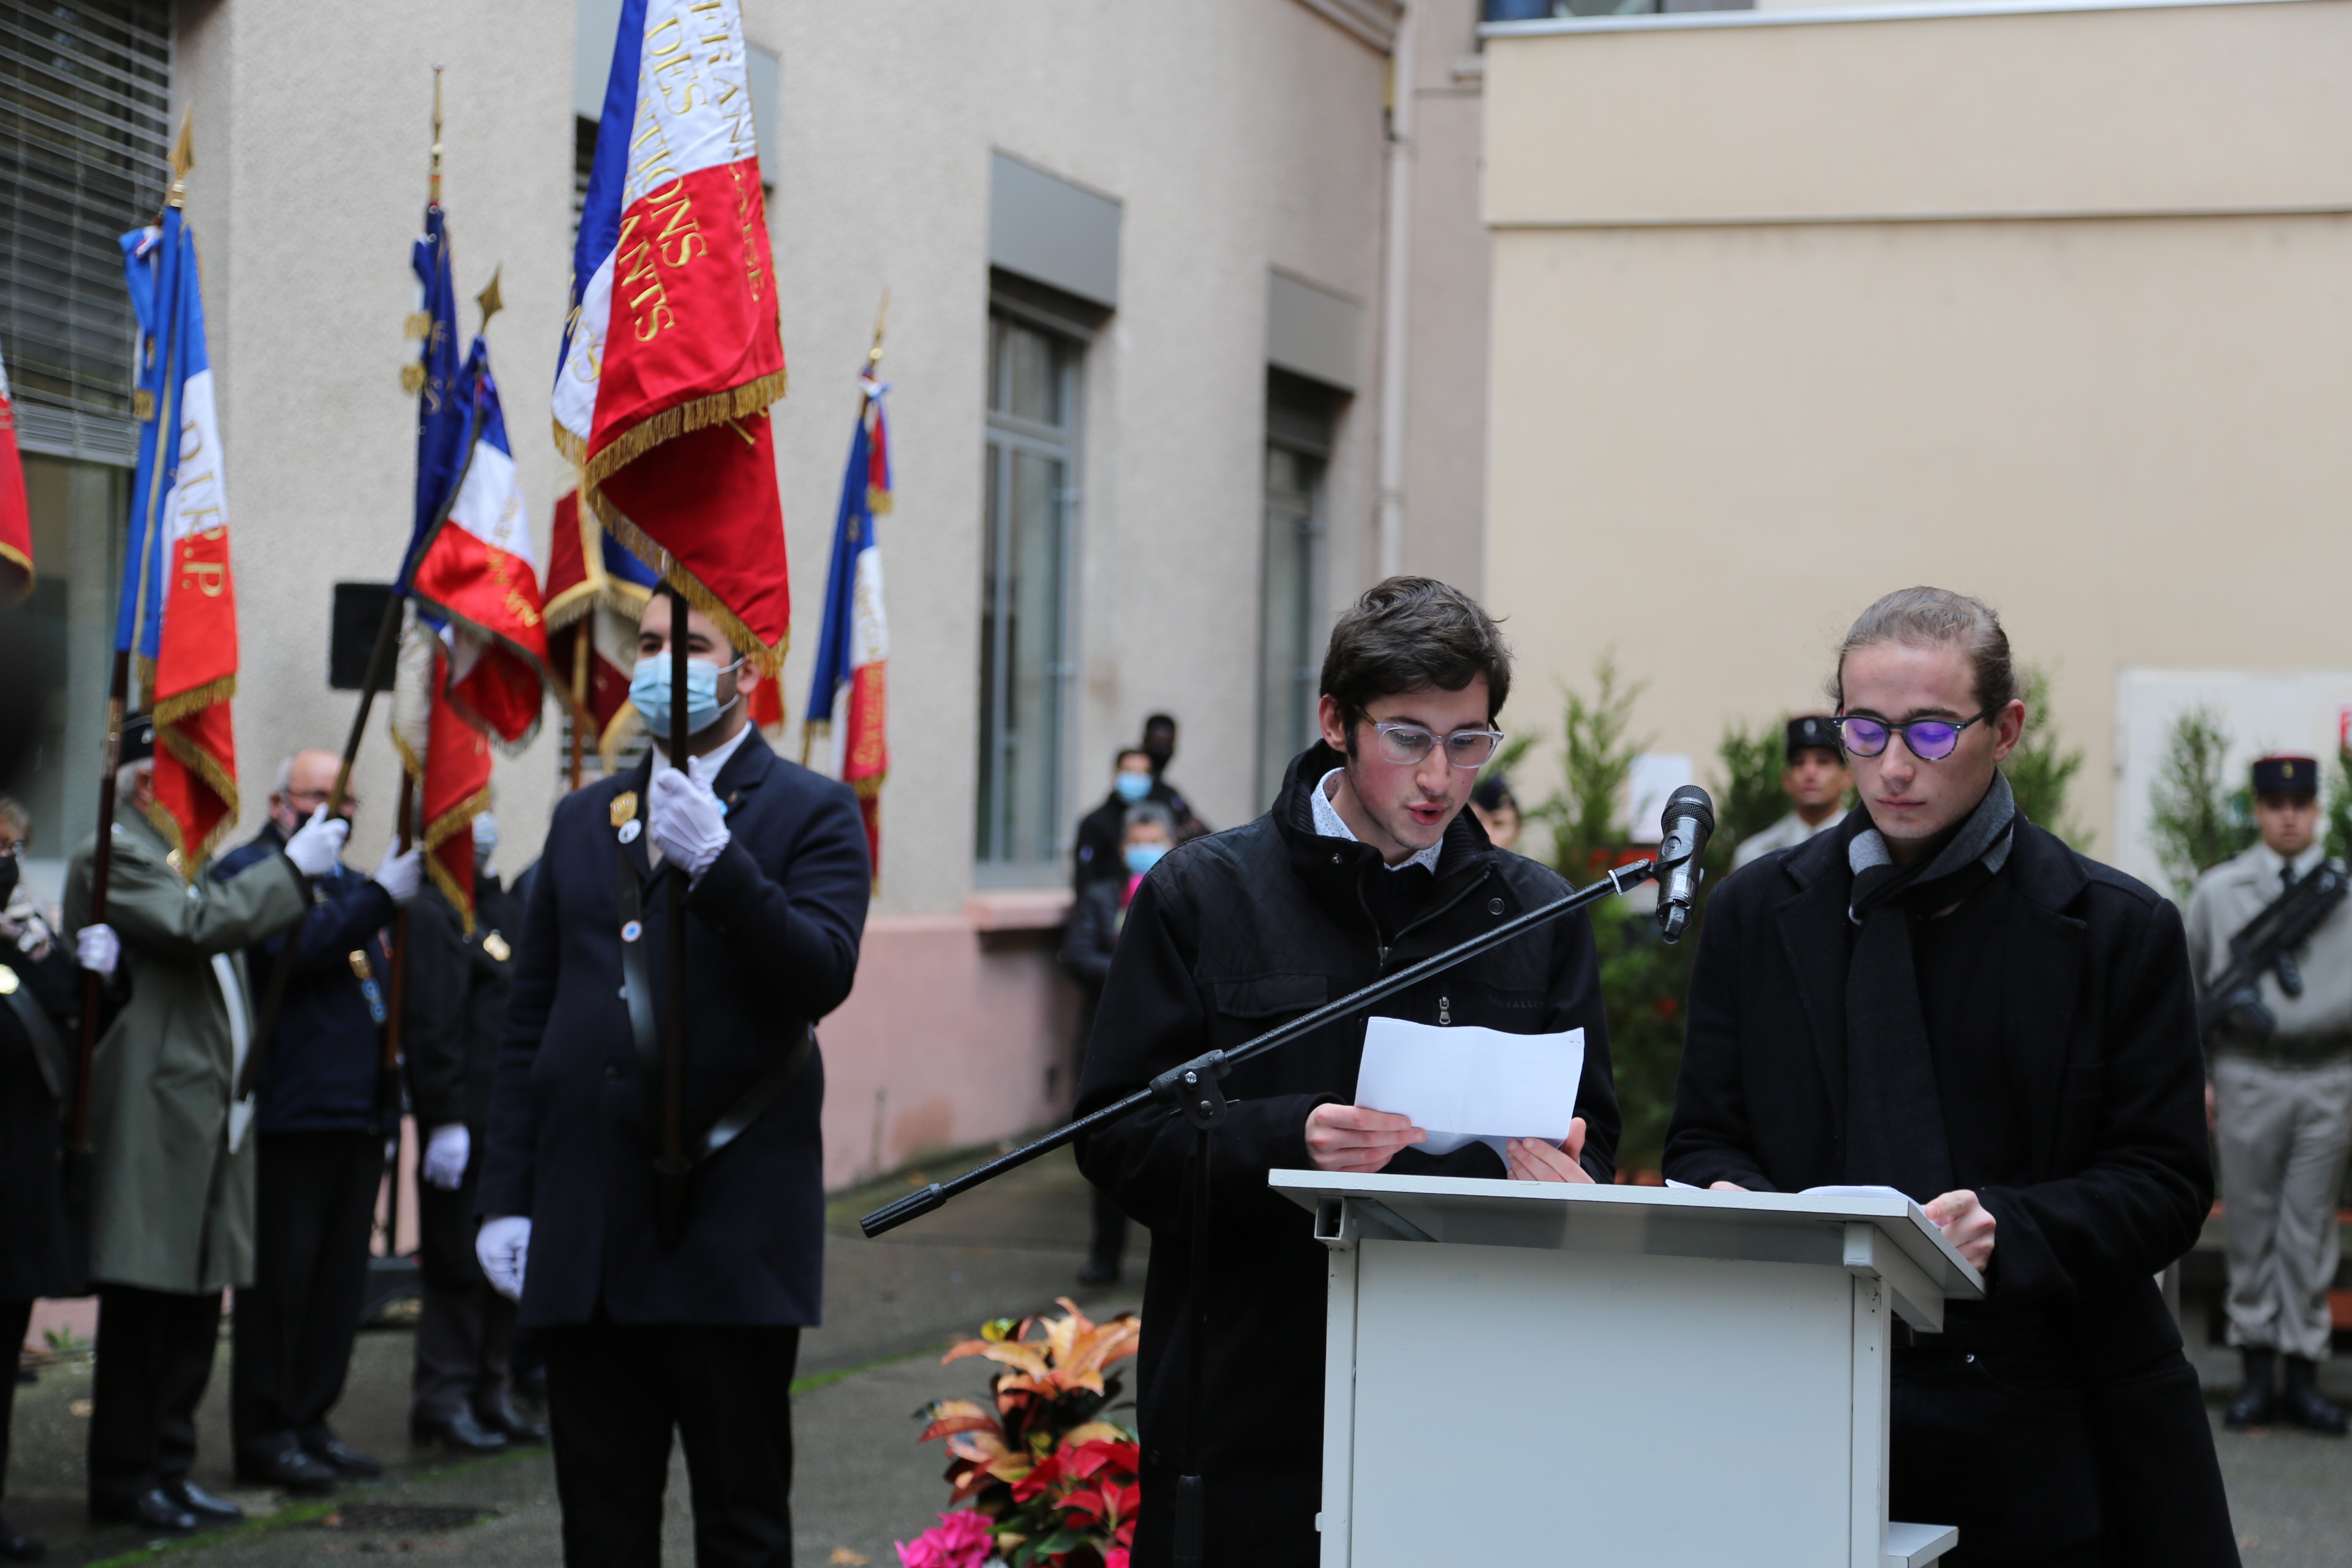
(2283, 1108)
(455, 1004)
(1815, 781)
(171, 1200)
(700, 1336)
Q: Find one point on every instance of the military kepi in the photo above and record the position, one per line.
(138, 741)
(2286, 775)
(1810, 729)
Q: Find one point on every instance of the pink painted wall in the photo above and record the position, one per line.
(954, 1035)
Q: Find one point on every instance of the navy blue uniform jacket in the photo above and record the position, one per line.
(327, 1052)
(772, 930)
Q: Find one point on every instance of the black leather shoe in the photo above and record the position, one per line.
(1098, 1274)
(15, 1548)
(289, 1467)
(511, 1424)
(460, 1434)
(151, 1510)
(2256, 1404)
(345, 1460)
(2304, 1406)
(203, 1504)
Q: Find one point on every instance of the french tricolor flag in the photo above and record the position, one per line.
(671, 353)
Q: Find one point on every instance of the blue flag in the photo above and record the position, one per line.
(445, 410)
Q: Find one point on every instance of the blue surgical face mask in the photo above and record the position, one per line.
(1132, 787)
(1142, 857)
(649, 689)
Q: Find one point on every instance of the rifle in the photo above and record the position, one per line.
(2267, 943)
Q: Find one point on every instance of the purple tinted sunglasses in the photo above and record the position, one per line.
(1929, 740)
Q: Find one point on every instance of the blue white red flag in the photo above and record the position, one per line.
(177, 614)
(16, 512)
(595, 592)
(671, 353)
(853, 652)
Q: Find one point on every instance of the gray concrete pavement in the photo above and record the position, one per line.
(890, 1306)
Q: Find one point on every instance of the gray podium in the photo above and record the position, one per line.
(1536, 1373)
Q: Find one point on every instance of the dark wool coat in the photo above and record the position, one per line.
(1227, 937)
(41, 1253)
(456, 1005)
(2099, 1024)
(772, 930)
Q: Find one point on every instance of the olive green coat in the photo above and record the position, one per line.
(171, 1204)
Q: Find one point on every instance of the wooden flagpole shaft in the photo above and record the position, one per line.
(388, 1072)
(671, 1169)
(101, 867)
(585, 628)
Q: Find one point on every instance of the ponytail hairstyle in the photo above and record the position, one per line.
(1935, 617)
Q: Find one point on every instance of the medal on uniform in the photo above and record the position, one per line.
(624, 808)
(8, 981)
(630, 829)
(496, 946)
(630, 930)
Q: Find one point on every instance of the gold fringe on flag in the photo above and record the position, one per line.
(769, 661)
(671, 423)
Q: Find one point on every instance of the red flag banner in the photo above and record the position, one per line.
(16, 512)
(595, 592)
(447, 756)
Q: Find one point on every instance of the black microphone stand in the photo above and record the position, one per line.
(1195, 1091)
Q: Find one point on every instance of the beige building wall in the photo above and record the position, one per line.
(2049, 307)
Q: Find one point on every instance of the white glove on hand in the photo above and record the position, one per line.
(400, 874)
(318, 844)
(686, 824)
(445, 1153)
(503, 1246)
(98, 949)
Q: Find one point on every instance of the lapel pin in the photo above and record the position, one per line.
(632, 929)
(624, 807)
(630, 829)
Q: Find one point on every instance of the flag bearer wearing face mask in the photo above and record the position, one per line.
(702, 1337)
(1148, 832)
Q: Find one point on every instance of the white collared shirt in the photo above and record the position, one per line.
(1329, 823)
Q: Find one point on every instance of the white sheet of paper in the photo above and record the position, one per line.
(1464, 1082)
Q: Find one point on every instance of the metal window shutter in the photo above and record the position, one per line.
(85, 136)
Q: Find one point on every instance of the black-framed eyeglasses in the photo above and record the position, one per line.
(1929, 740)
(1405, 743)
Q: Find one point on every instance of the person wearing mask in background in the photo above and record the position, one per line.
(1942, 997)
(1816, 782)
(2281, 1105)
(450, 1021)
(1101, 830)
(700, 1337)
(172, 1199)
(321, 1129)
(1093, 933)
(1497, 810)
(40, 1025)
(1159, 745)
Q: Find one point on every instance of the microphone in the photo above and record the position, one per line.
(1688, 821)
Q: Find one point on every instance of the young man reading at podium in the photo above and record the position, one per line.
(1366, 863)
(1938, 995)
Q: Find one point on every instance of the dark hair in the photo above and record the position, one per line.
(1149, 813)
(1936, 617)
(1493, 792)
(1412, 632)
(1159, 722)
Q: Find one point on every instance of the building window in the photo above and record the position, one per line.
(1024, 670)
(1299, 416)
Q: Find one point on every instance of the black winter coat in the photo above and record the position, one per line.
(2098, 1018)
(326, 1056)
(42, 1252)
(773, 932)
(1228, 936)
(456, 1005)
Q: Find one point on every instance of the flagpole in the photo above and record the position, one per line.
(118, 701)
(671, 1171)
(387, 638)
(872, 363)
(387, 1092)
(586, 628)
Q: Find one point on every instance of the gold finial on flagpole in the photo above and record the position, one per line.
(435, 196)
(873, 355)
(183, 158)
(489, 299)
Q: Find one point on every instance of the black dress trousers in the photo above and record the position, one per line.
(296, 1323)
(14, 1318)
(154, 1356)
(464, 1328)
(613, 1393)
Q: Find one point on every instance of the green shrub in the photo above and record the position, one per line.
(2041, 766)
(2197, 820)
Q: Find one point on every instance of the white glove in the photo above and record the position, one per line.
(503, 1246)
(98, 949)
(684, 818)
(445, 1153)
(318, 844)
(399, 874)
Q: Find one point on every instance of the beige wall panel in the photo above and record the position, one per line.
(1711, 447)
(2227, 106)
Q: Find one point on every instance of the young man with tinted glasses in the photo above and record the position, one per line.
(1939, 996)
(1366, 864)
